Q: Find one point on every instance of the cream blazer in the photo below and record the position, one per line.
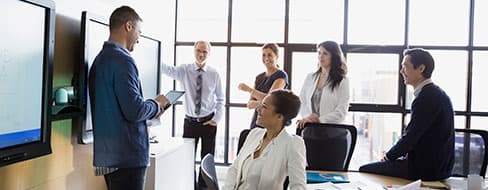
(288, 159)
(333, 104)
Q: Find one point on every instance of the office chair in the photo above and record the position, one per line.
(208, 173)
(470, 152)
(242, 139)
(329, 146)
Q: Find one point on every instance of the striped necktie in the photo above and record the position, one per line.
(198, 96)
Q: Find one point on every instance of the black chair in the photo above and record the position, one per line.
(207, 171)
(470, 152)
(242, 138)
(329, 146)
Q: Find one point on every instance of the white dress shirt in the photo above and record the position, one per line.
(333, 104)
(284, 156)
(212, 93)
(417, 90)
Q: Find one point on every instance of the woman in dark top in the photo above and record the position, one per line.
(273, 78)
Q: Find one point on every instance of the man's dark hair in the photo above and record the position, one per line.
(286, 103)
(419, 56)
(121, 15)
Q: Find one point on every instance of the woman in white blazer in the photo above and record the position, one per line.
(325, 92)
(270, 154)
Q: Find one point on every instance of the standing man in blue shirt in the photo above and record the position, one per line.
(121, 143)
(426, 149)
(204, 98)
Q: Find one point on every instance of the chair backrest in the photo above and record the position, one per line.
(208, 173)
(470, 152)
(329, 146)
(242, 139)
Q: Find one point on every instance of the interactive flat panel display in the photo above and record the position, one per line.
(95, 31)
(26, 58)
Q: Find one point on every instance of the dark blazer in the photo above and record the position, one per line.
(118, 110)
(428, 140)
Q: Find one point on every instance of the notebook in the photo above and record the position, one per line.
(315, 177)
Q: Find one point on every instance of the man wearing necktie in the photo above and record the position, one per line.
(204, 98)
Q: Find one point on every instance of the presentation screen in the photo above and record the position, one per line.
(26, 58)
(95, 31)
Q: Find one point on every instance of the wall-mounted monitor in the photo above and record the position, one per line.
(26, 59)
(147, 54)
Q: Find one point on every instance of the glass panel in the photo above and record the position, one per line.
(369, 25)
(479, 122)
(303, 63)
(246, 64)
(450, 74)
(220, 141)
(373, 78)
(239, 119)
(307, 21)
(195, 18)
(258, 21)
(479, 92)
(481, 23)
(377, 133)
(447, 26)
(459, 121)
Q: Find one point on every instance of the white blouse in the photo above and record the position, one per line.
(283, 156)
(333, 104)
(252, 168)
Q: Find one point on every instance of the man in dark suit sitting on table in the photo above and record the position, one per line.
(426, 149)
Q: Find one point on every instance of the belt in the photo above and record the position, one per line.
(199, 119)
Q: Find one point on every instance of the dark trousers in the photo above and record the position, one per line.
(395, 168)
(196, 130)
(126, 179)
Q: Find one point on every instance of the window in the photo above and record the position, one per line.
(450, 74)
(481, 22)
(447, 26)
(258, 21)
(373, 37)
(480, 66)
(372, 77)
(479, 123)
(241, 119)
(316, 20)
(202, 20)
(376, 25)
(303, 64)
(377, 133)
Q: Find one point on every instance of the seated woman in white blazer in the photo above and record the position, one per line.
(270, 154)
(325, 92)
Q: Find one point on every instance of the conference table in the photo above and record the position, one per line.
(374, 181)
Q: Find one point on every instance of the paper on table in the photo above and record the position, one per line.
(411, 186)
(354, 185)
(321, 186)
